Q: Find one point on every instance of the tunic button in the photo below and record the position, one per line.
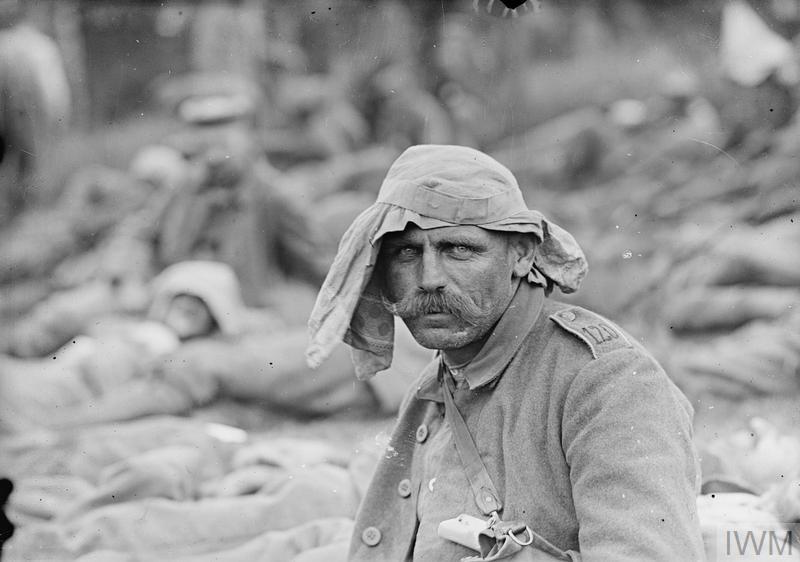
(422, 433)
(371, 536)
(568, 315)
(404, 488)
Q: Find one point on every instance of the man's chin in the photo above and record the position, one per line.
(433, 334)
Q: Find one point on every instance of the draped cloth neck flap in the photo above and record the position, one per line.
(430, 186)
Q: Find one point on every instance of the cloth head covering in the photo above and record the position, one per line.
(431, 186)
(215, 283)
(750, 51)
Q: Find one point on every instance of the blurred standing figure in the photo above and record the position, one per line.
(106, 373)
(231, 209)
(34, 105)
(763, 72)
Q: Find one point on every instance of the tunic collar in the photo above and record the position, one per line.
(499, 349)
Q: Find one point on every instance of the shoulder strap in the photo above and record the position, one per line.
(483, 489)
(598, 333)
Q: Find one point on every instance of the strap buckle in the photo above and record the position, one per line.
(514, 538)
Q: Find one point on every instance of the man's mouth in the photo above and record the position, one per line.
(436, 319)
(434, 311)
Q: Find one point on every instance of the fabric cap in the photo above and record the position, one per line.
(431, 186)
(215, 283)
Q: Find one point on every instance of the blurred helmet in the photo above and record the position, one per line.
(216, 109)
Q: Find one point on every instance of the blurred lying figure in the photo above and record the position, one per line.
(628, 137)
(751, 481)
(761, 358)
(294, 494)
(204, 492)
(734, 333)
(191, 300)
(199, 342)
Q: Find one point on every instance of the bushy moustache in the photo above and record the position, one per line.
(446, 301)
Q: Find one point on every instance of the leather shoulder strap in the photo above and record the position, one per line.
(483, 489)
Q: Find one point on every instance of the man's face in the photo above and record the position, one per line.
(450, 285)
(189, 317)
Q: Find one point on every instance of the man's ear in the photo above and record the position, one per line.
(523, 248)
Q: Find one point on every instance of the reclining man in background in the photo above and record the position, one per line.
(128, 368)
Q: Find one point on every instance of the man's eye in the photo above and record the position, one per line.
(407, 252)
(461, 250)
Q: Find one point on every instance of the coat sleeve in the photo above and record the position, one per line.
(627, 438)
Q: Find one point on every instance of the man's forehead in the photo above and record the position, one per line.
(414, 233)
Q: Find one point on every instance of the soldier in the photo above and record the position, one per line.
(540, 429)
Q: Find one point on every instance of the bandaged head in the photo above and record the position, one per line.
(430, 186)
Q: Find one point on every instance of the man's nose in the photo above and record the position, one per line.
(432, 277)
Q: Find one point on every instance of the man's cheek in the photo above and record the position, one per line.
(484, 296)
(397, 285)
(392, 293)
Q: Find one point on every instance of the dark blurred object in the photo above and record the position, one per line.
(504, 8)
(34, 109)
(6, 526)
